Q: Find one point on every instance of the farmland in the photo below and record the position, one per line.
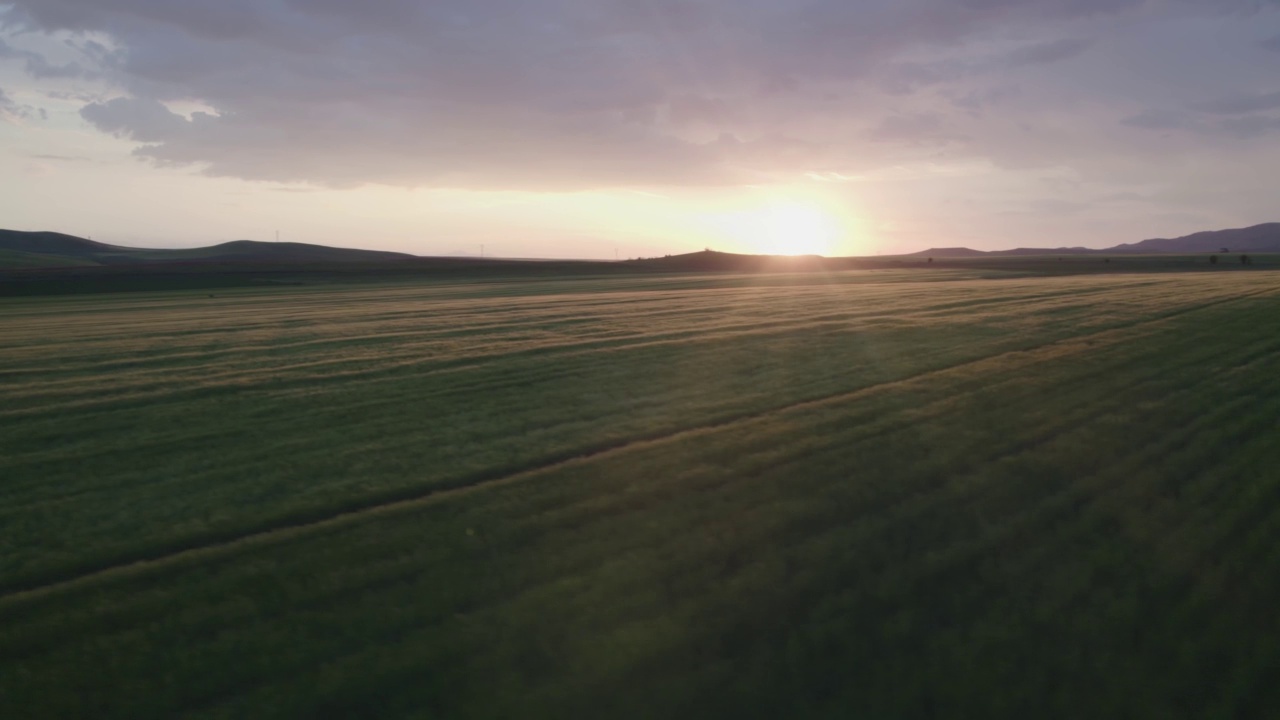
(887, 493)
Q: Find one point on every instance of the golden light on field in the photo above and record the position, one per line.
(783, 227)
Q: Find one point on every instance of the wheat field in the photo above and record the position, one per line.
(862, 494)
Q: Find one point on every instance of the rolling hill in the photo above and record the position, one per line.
(53, 243)
(1264, 238)
(1258, 238)
(21, 250)
(714, 261)
(50, 249)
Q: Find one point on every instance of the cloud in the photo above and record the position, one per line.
(59, 158)
(38, 66)
(692, 109)
(904, 78)
(1153, 119)
(1244, 127)
(1048, 52)
(1241, 104)
(137, 119)
(916, 129)
(1252, 126)
(975, 102)
(11, 111)
(7, 105)
(580, 94)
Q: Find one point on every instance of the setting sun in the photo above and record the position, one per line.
(795, 228)
(782, 227)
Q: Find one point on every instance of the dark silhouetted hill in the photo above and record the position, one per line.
(713, 261)
(964, 252)
(254, 251)
(52, 243)
(949, 252)
(33, 249)
(1264, 238)
(1045, 251)
(53, 252)
(1258, 238)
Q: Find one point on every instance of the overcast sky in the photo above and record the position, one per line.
(585, 128)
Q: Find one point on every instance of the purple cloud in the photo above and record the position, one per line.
(568, 94)
(13, 111)
(1241, 104)
(1158, 120)
(1049, 52)
(136, 119)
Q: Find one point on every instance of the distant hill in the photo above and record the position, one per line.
(49, 249)
(1263, 238)
(1044, 251)
(964, 252)
(21, 250)
(254, 251)
(713, 261)
(52, 243)
(950, 252)
(1259, 238)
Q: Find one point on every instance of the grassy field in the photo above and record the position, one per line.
(12, 259)
(862, 494)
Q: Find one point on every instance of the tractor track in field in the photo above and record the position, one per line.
(287, 528)
(70, 395)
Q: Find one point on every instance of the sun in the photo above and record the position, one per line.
(795, 228)
(782, 227)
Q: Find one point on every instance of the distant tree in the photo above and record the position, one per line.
(1246, 260)
(1213, 259)
(1106, 260)
(930, 260)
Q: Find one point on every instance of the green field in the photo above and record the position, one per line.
(872, 494)
(12, 259)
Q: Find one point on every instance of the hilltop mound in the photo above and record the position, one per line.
(252, 250)
(31, 249)
(1258, 238)
(948, 252)
(52, 243)
(1264, 238)
(713, 261)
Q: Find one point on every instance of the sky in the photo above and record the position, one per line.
(634, 128)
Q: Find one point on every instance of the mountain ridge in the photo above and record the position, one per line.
(49, 246)
(20, 248)
(1261, 238)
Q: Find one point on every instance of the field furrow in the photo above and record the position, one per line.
(1030, 497)
(195, 521)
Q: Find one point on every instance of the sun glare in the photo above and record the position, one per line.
(794, 228)
(783, 227)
